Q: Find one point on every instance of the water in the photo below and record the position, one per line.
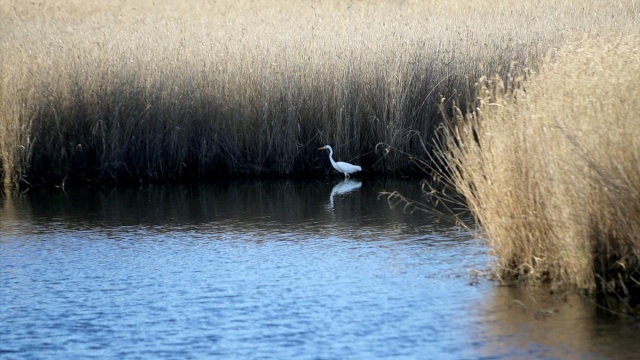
(268, 270)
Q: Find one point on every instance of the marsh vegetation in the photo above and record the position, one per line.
(549, 167)
(98, 91)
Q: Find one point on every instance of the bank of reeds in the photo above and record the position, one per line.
(163, 90)
(550, 167)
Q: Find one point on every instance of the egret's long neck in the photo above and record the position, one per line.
(335, 166)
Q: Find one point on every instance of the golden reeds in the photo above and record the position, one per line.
(549, 165)
(162, 90)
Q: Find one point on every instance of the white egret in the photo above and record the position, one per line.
(342, 167)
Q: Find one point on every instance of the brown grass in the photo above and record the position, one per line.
(163, 90)
(550, 168)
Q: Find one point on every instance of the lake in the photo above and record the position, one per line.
(270, 270)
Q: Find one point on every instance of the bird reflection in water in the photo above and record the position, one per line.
(343, 187)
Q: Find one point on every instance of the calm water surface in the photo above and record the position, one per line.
(321, 270)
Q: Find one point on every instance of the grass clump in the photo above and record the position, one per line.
(549, 167)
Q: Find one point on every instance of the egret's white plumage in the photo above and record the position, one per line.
(341, 166)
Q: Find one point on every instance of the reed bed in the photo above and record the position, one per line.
(102, 91)
(548, 164)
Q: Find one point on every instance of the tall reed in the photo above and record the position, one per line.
(163, 90)
(549, 167)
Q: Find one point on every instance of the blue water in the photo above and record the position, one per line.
(272, 270)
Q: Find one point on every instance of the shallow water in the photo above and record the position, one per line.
(278, 269)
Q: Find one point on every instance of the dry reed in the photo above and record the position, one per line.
(163, 90)
(549, 167)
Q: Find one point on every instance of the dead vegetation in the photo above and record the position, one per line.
(549, 167)
(95, 91)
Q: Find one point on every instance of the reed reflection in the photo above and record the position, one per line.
(291, 206)
(531, 322)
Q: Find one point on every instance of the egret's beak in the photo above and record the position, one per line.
(322, 148)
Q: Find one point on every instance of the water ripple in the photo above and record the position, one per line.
(298, 282)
